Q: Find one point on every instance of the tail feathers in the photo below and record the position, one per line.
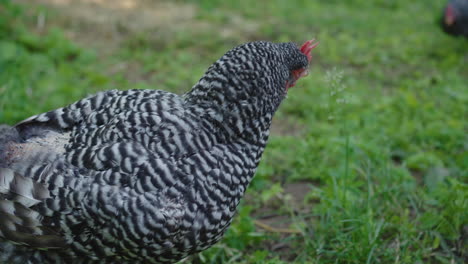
(22, 215)
(7, 135)
(21, 236)
(16, 254)
(28, 231)
(26, 191)
(19, 223)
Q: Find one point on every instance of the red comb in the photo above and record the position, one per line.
(307, 47)
(449, 15)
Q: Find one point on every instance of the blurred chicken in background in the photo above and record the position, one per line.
(455, 18)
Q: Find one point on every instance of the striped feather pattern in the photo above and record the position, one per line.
(141, 176)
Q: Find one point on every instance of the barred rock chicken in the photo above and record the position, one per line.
(455, 18)
(142, 176)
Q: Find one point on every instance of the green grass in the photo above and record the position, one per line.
(385, 158)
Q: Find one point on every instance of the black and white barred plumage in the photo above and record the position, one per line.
(142, 176)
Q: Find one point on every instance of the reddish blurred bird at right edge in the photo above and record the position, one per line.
(142, 176)
(455, 18)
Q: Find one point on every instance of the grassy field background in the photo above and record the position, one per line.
(368, 160)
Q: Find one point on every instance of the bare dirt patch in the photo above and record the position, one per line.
(282, 223)
(104, 24)
(273, 212)
(287, 127)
